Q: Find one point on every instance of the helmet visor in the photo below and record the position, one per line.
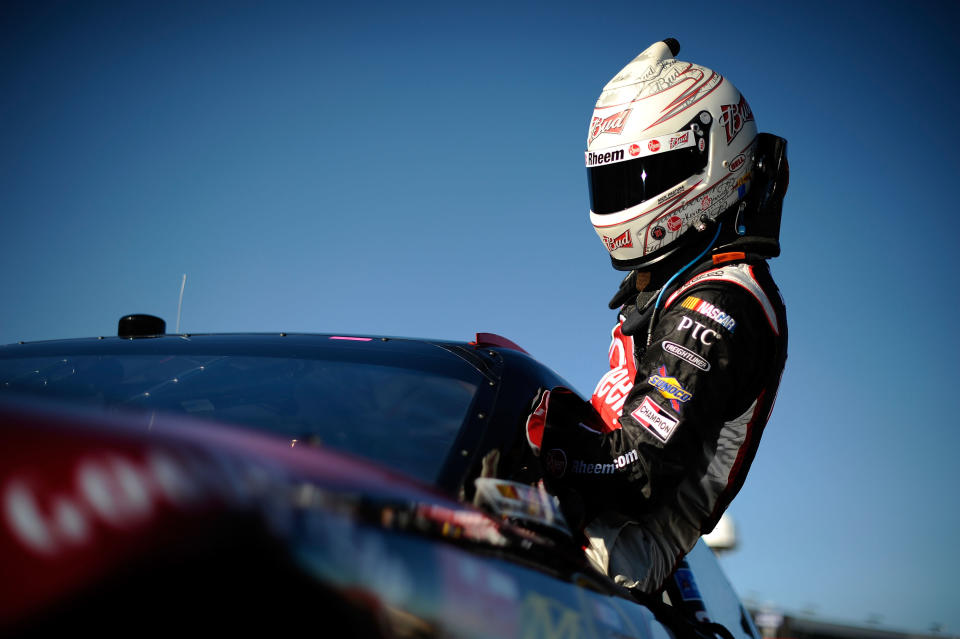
(616, 187)
(625, 176)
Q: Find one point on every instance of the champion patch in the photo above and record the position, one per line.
(655, 419)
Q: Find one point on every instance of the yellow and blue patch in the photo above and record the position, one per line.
(670, 388)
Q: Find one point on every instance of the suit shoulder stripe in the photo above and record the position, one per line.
(739, 274)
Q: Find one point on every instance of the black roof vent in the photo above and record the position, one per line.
(141, 326)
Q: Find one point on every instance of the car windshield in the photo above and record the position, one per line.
(358, 405)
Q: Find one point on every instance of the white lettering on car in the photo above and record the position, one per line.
(115, 491)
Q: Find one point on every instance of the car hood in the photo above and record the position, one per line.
(84, 492)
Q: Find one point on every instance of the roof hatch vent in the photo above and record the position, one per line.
(141, 325)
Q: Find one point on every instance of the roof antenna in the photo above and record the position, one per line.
(183, 285)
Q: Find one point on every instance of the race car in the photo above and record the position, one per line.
(372, 486)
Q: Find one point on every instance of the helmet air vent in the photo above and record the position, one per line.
(673, 45)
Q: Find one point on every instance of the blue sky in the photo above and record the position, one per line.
(417, 170)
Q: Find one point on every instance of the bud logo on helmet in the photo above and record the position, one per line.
(612, 124)
(677, 140)
(734, 116)
(621, 241)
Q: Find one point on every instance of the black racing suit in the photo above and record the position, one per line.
(677, 421)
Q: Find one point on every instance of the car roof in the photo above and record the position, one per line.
(277, 344)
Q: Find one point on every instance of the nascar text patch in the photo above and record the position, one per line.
(707, 309)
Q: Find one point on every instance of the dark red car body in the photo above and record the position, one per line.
(129, 518)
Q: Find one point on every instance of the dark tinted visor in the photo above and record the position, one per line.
(626, 176)
(615, 187)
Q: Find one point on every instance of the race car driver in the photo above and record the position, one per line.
(686, 196)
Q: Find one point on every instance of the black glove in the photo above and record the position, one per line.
(571, 455)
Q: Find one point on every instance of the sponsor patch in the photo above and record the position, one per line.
(707, 309)
(698, 331)
(686, 355)
(656, 419)
(670, 388)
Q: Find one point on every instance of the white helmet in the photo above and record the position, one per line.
(671, 147)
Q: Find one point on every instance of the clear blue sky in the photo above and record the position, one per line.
(416, 169)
